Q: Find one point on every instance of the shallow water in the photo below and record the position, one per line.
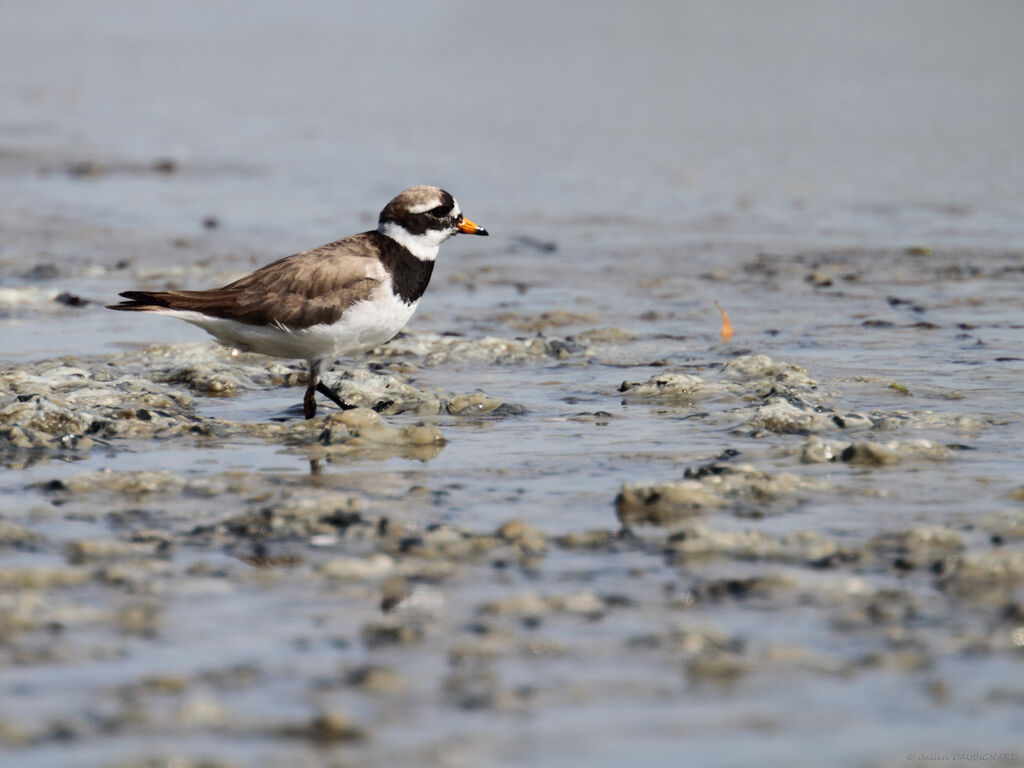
(843, 180)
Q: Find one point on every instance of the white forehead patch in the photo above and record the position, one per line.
(424, 207)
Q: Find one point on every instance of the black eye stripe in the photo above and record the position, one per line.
(440, 211)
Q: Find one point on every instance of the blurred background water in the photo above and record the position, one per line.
(845, 122)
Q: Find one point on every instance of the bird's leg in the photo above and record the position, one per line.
(327, 392)
(315, 385)
(312, 382)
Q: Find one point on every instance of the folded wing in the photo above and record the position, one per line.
(298, 291)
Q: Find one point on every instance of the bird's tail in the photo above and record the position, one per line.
(143, 301)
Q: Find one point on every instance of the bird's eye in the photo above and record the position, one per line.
(441, 211)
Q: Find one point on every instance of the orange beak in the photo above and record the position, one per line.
(468, 227)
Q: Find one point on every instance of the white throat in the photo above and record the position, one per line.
(423, 247)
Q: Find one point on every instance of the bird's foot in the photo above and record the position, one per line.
(329, 393)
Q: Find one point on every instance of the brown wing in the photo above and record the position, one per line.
(297, 291)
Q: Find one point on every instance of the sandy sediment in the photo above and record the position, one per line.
(67, 408)
(109, 553)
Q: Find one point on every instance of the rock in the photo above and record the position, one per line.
(599, 539)
(375, 566)
(533, 606)
(717, 667)
(393, 591)
(782, 384)
(848, 420)
(797, 547)
(694, 641)
(761, 368)
(783, 417)
(22, 301)
(14, 535)
(471, 689)
(882, 454)
(366, 388)
(140, 618)
(41, 578)
(919, 547)
(664, 503)
(869, 454)
(164, 684)
(445, 542)
(385, 633)
(473, 404)
(1005, 524)
(902, 660)
(493, 645)
(675, 387)
(296, 515)
(528, 605)
(546, 320)
(355, 418)
(667, 503)
(203, 712)
(876, 608)
(987, 576)
(423, 434)
(435, 349)
(817, 451)
(744, 588)
(386, 435)
(525, 535)
(82, 551)
(605, 335)
(377, 680)
(328, 728)
(136, 483)
(207, 380)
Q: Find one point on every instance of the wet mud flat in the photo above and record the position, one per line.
(560, 541)
(584, 532)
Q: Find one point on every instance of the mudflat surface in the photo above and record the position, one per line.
(586, 531)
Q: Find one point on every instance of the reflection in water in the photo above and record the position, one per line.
(365, 451)
(380, 452)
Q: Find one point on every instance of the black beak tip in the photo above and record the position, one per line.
(482, 231)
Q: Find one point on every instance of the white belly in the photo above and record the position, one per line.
(365, 325)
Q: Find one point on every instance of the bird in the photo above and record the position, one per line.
(339, 299)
